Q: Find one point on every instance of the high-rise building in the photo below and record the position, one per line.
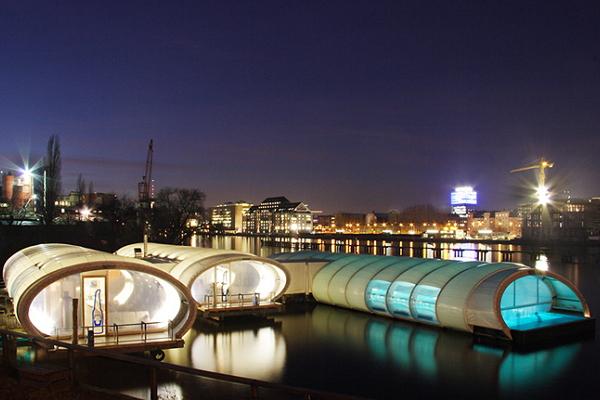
(278, 215)
(463, 200)
(229, 216)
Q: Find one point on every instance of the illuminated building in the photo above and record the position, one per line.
(502, 300)
(462, 200)
(229, 216)
(278, 215)
(494, 225)
(568, 219)
(220, 277)
(17, 190)
(324, 223)
(43, 280)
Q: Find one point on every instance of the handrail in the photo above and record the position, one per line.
(241, 298)
(116, 331)
(253, 383)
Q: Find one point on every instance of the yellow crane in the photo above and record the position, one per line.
(541, 165)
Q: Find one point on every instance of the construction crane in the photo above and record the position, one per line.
(145, 190)
(146, 196)
(541, 164)
(542, 191)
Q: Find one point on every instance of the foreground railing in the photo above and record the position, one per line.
(9, 353)
(120, 333)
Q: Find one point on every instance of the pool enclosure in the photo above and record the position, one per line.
(116, 295)
(217, 278)
(491, 298)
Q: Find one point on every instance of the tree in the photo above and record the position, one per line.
(90, 196)
(80, 189)
(51, 186)
(173, 208)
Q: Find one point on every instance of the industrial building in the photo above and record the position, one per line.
(277, 215)
(503, 300)
(17, 190)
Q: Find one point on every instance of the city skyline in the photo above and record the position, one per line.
(349, 107)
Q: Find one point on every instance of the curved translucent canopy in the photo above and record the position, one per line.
(212, 272)
(454, 294)
(43, 279)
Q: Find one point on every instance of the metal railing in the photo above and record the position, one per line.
(121, 333)
(253, 384)
(233, 300)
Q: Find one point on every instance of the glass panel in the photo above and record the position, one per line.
(527, 304)
(398, 298)
(422, 302)
(566, 299)
(375, 295)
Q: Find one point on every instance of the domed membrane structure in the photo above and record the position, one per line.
(487, 298)
(218, 276)
(112, 291)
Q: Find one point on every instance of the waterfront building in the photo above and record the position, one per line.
(349, 222)
(324, 223)
(562, 219)
(502, 300)
(112, 290)
(277, 215)
(494, 225)
(228, 217)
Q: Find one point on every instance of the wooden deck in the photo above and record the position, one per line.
(225, 310)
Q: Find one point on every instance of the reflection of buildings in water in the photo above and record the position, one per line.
(258, 354)
(434, 355)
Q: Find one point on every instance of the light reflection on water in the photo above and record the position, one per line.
(361, 354)
(253, 353)
(435, 355)
(334, 349)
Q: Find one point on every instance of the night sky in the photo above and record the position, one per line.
(345, 105)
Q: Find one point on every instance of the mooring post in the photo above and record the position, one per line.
(75, 315)
(153, 384)
(253, 391)
(72, 368)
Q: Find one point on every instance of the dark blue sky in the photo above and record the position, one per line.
(346, 105)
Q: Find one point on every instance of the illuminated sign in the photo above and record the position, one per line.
(463, 195)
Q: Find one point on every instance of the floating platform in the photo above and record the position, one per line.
(222, 311)
(498, 301)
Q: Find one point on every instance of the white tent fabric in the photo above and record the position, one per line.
(42, 279)
(198, 268)
(454, 294)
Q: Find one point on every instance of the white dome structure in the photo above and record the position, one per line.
(112, 290)
(231, 273)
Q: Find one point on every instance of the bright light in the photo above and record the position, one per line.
(463, 195)
(85, 213)
(542, 263)
(543, 195)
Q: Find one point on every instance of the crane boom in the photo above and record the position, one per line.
(541, 164)
(145, 186)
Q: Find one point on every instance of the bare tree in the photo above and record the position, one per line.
(173, 209)
(80, 189)
(51, 176)
(90, 195)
